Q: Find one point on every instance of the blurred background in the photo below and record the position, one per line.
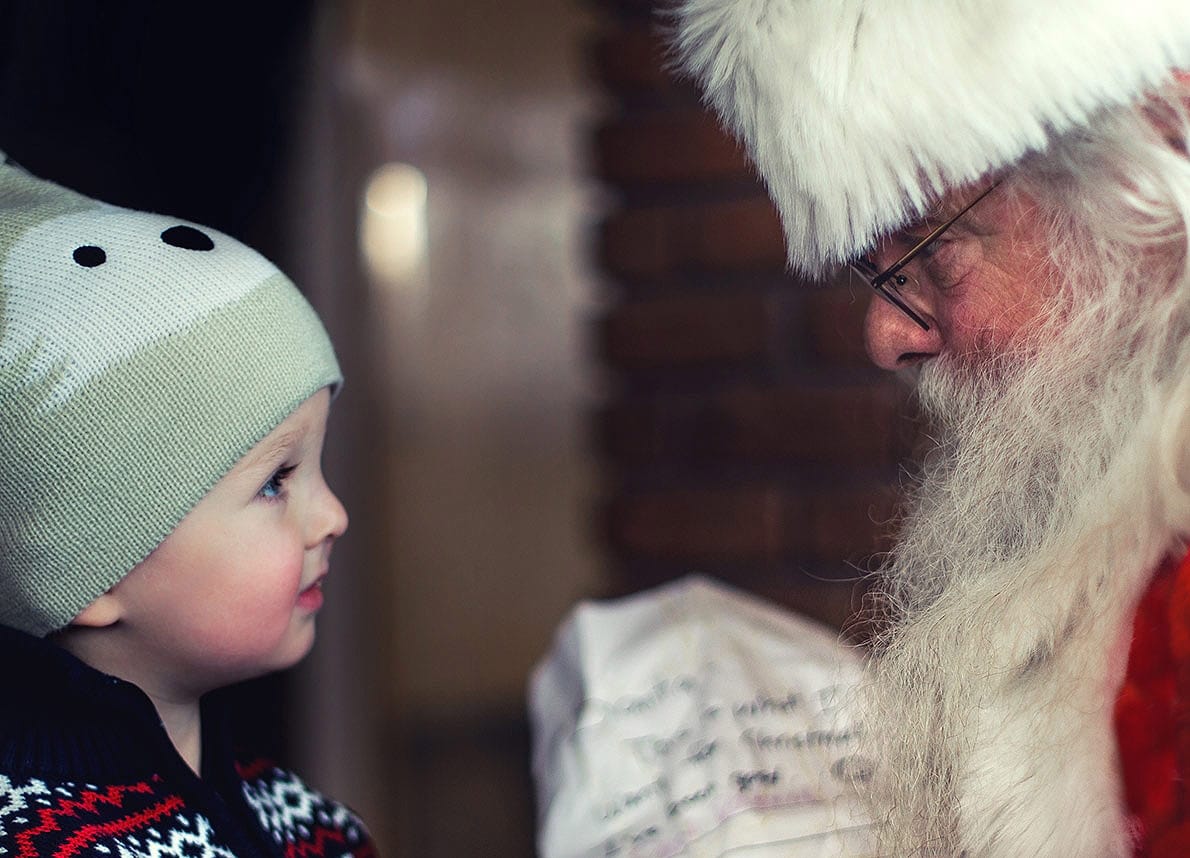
(576, 366)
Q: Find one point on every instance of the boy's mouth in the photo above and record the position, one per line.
(311, 597)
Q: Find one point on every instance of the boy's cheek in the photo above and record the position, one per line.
(250, 641)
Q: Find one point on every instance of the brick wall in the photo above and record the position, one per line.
(744, 434)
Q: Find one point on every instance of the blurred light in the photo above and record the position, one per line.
(393, 222)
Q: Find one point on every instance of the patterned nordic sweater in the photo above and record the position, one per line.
(86, 769)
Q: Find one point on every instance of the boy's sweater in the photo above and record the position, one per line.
(86, 768)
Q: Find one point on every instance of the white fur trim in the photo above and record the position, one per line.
(858, 112)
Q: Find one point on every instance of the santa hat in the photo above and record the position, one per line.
(858, 113)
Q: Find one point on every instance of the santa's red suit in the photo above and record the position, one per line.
(1153, 713)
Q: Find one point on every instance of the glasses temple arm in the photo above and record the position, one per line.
(892, 270)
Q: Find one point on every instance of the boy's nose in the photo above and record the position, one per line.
(332, 517)
(895, 341)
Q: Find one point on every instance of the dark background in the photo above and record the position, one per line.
(184, 109)
(179, 108)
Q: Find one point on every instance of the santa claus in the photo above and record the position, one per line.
(1011, 179)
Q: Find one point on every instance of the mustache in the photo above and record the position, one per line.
(951, 387)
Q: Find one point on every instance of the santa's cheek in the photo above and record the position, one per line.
(976, 330)
(963, 333)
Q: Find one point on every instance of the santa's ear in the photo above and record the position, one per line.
(103, 612)
(1170, 115)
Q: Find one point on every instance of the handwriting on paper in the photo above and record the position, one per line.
(697, 721)
(689, 737)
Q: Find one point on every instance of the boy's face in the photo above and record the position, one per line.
(233, 591)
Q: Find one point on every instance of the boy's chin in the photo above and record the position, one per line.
(287, 654)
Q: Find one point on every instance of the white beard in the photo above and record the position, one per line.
(1056, 486)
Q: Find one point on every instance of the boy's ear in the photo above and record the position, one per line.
(103, 612)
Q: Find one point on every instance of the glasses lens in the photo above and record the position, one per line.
(903, 283)
(891, 289)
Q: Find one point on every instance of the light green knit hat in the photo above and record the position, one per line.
(140, 358)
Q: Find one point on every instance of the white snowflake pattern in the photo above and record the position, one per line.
(189, 838)
(289, 810)
(175, 837)
(14, 798)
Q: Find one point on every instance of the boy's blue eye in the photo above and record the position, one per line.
(275, 484)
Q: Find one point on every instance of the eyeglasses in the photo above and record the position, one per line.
(889, 282)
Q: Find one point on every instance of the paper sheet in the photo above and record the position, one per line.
(697, 721)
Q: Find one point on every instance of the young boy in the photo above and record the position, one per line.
(164, 531)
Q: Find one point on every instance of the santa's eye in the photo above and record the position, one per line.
(950, 262)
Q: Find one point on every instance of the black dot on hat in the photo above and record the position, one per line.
(89, 256)
(187, 238)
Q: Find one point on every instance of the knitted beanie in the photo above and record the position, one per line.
(140, 358)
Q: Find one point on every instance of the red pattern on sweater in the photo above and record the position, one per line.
(62, 819)
(48, 819)
(87, 836)
(1152, 714)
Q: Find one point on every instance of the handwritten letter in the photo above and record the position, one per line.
(696, 721)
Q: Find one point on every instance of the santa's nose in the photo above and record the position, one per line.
(895, 341)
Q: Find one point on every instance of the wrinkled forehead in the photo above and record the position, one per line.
(969, 204)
